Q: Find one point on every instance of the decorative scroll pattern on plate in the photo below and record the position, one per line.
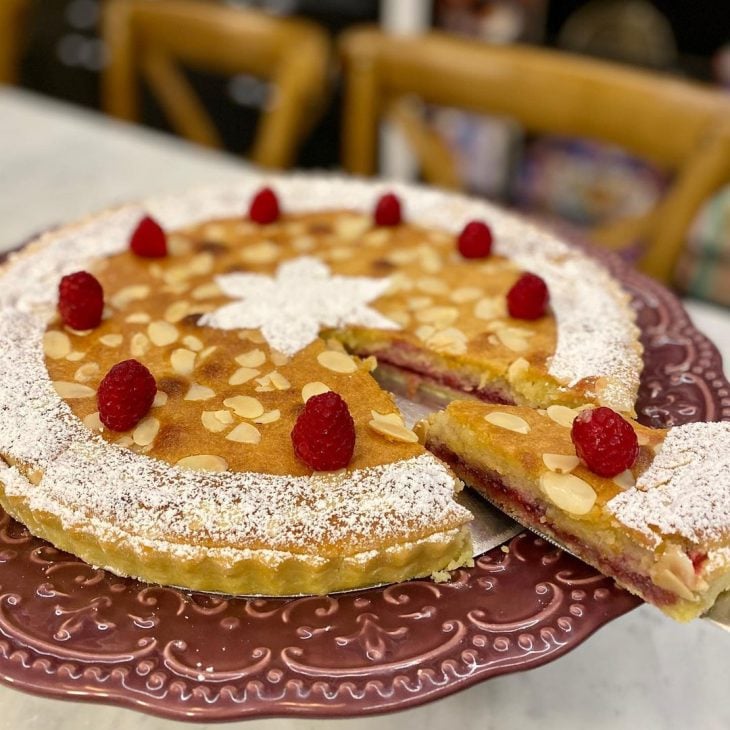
(67, 629)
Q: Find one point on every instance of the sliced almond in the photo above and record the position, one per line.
(138, 318)
(338, 362)
(162, 333)
(303, 243)
(313, 388)
(129, 294)
(252, 359)
(113, 340)
(139, 344)
(254, 336)
(178, 245)
(160, 399)
(75, 356)
(203, 462)
(465, 294)
(508, 421)
(429, 259)
(205, 354)
(416, 303)
(438, 316)
(177, 311)
(199, 392)
(146, 431)
(511, 340)
(183, 361)
(215, 231)
(268, 417)
(278, 380)
(211, 422)
(490, 308)
(377, 238)
(625, 479)
(560, 463)
(264, 252)
(245, 433)
(93, 422)
(206, 291)
(399, 316)
(56, 344)
(642, 438)
(352, 227)
(568, 492)
(394, 418)
(667, 580)
(243, 375)
(517, 369)
(244, 406)
(432, 285)
(68, 389)
(192, 343)
(279, 358)
(86, 372)
(450, 340)
(395, 431)
(340, 253)
(201, 264)
(562, 415)
(224, 416)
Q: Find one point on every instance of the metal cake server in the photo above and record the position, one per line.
(491, 527)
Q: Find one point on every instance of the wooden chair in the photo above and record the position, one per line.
(151, 38)
(12, 15)
(681, 127)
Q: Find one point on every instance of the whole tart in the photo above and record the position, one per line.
(240, 324)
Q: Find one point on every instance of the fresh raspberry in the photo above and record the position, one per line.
(605, 441)
(80, 301)
(528, 298)
(125, 395)
(387, 210)
(475, 241)
(148, 239)
(324, 434)
(264, 207)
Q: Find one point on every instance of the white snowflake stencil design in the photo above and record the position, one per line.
(291, 307)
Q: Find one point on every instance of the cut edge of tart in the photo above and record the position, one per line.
(660, 529)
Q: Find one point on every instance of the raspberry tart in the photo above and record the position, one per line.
(211, 420)
(649, 507)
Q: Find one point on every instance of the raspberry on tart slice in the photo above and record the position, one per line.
(125, 395)
(528, 298)
(388, 210)
(264, 207)
(324, 433)
(657, 527)
(80, 301)
(149, 240)
(605, 441)
(475, 240)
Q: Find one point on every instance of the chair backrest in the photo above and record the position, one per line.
(681, 127)
(12, 14)
(150, 39)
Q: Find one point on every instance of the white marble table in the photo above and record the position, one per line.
(641, 671)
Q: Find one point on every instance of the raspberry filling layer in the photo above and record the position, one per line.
(492, 486)
(406, 359)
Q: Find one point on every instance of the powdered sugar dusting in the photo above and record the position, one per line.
(686, 490)
(290, 323)
(84, 475)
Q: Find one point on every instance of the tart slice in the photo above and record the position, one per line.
(661, 528)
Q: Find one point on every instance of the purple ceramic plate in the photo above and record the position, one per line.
(69, 630)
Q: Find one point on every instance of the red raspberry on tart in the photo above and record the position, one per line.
(528, 298)
(324, 434)
(125, 395)
(264, 207)
(80, 301)
(475, 240)
(388, 210)
(605, 441)
(149, 239)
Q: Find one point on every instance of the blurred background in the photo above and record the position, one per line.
(609, 179)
